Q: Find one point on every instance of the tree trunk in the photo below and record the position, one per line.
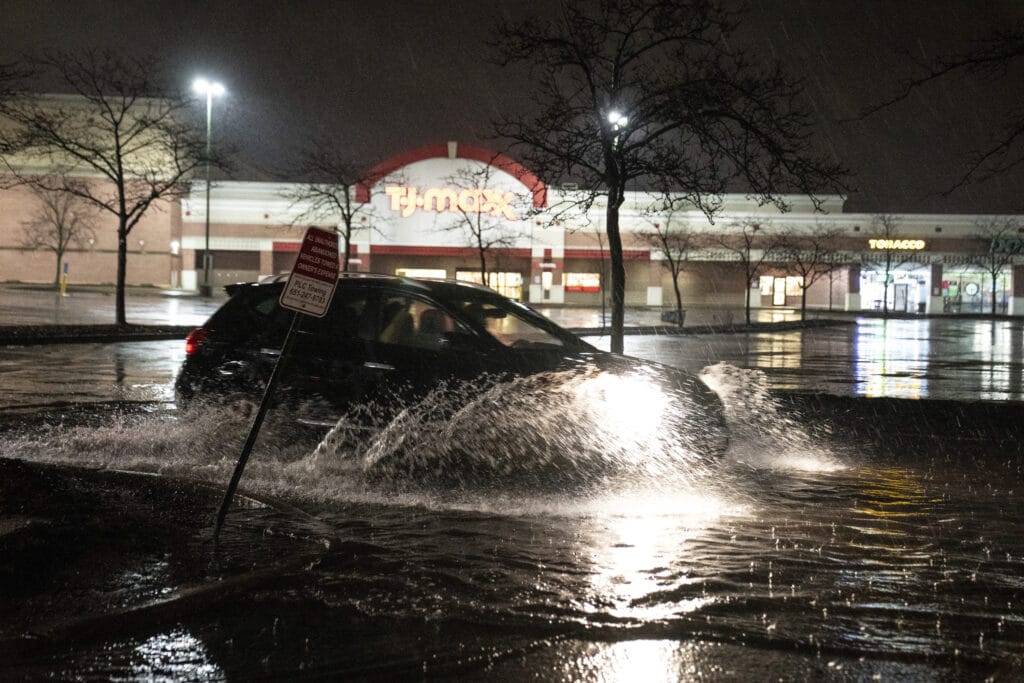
(993, 296)
(483, 266)
(746, 301)
(679, 299)
(122, 272)
(803, 304)
(618, 270)
(56, 277)
(347, 239)
(746, 287)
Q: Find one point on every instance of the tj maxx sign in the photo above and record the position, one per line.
(408, 200)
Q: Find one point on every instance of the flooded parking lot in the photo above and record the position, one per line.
(845, 537)
(956, 359)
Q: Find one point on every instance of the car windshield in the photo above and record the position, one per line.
(515, 325)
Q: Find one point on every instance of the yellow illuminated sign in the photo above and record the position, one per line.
(907, 245)
(408, 200)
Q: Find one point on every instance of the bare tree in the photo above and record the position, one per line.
(753, 244)
(1001, 235)
(811, 256)
(10, 75)
(989, 60)
(121, 142)
(12, 80)
(331, 197)
(59, 221)
(675, 246)
(655, 90)
(476, 214)
(889, 252)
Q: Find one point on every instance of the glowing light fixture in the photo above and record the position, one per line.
(205, 87)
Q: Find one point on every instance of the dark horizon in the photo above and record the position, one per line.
(388, 77)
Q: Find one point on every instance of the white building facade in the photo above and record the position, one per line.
(433, 210)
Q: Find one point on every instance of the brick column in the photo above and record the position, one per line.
(655, 294)
(852, 302)
(934, 304)
(1017, 289)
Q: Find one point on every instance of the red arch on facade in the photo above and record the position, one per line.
(481, 154)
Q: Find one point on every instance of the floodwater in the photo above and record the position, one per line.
(957, 359)
(843, 539)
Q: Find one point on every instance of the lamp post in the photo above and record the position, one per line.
(208, 88)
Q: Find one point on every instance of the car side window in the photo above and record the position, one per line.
(266, 322)
(508, 328)
(349, 315)
(413, 322)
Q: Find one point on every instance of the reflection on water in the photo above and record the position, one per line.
(655, 661)
(643, 545)
(886, 367)
(135, 371)
(955, 359)
(177, 655)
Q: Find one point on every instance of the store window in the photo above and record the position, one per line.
(583, 282)
(422, 272)
(791, 285)
(506, 284)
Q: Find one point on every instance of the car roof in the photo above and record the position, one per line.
(439, 286)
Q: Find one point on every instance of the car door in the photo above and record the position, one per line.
(327, 372)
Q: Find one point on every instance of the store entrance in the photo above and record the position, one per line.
(907, 291)
(899, 297)
(779, 292)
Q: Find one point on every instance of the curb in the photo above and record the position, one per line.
(673, 330)
(34, 335)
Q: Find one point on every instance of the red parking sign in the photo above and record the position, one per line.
(315, 274)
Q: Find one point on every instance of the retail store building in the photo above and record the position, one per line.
(422, 208)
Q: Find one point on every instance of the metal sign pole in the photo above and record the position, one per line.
(309, 291)
(254, 430)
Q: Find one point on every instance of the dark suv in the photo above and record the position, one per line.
(388, 340)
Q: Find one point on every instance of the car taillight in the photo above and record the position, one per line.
(195, 340)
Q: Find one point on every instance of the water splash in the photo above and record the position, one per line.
(490, 445)
(581, 430)
(762, 434)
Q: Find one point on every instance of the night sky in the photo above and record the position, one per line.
(386, 76)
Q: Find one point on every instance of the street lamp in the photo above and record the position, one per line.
(618, 121)
(208, 88)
